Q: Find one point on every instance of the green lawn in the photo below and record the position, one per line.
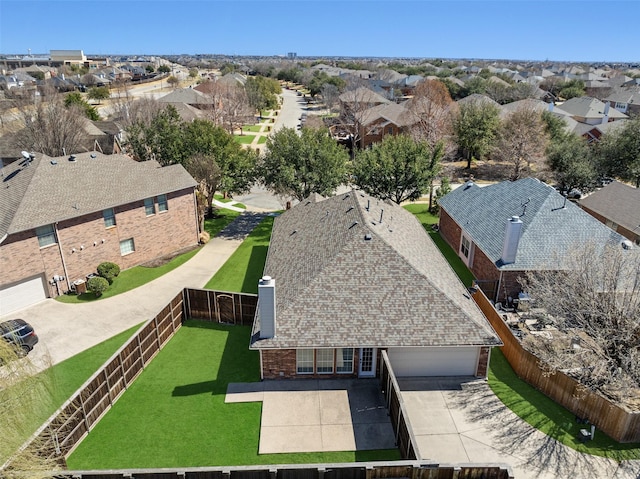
(251, 128)
(56, 384)
(547, 416)
(222, 199)
(244, 139)
(244, 268)
(174, 414)
(262, 139)
(130, 279)
(223, 217)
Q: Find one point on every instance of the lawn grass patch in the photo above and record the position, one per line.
(59, 382)
(252, 128)
(222, 199)
(262, 139)
(174, 414)
(547, 416)
(244, 139)
(244, 268)
(130, 279)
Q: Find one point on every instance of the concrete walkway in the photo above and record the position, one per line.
(68, 329)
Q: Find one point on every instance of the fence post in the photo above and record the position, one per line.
(106, 380)
(84, 411)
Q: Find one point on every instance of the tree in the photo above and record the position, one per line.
(173, 81)
(431, 108)
(399, 168)
(594, 301)
(206, 142)
(521, 141)
(99, 93)
(475, 128)
(330, 94)
(474, 85)
(571, 161)
(161, 139)
(193, 73)
(149, 69)
(619, 152)
(164, 69)
(75, 98)
(262, 92)
(207, 173)
(22, 391)
(50, 127)
(297, 165)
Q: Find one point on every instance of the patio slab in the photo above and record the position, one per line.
(318, 415)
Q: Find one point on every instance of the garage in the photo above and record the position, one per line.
(458, 361)
(22, 294)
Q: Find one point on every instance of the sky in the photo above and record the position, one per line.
(561, 30)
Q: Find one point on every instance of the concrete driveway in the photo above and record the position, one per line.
(457, 421)
(318, 415)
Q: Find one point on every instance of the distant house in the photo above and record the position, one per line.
(504, 230)
(625, 100)
(348, 276)
(618, 206)
(61, 217)
(382, 120)
(591, 110)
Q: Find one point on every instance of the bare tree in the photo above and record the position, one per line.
(22, 392)
(431, 107)
(330, 94)
(594, 302)
(51, 127)
(228, 104)
(522, 141)
(208, 174)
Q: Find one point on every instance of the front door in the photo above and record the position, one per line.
(367, 363)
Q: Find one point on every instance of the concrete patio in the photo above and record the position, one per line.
(318, 415)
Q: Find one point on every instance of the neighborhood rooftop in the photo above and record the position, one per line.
(43, 190)
(356, 271)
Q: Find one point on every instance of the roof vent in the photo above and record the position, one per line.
(54, 162)
(367, 237)
(72, 158)
(468, 184)
(349, 209)
(626, 244)
(93, 155)
(355, 223)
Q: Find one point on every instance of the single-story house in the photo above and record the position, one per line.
(61, 217)
(590, 110)
(504, 230)
(350, 276)
(618, 206)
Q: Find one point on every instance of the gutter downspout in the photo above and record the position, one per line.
(64, 263)
(261, 370)
(495, 300)
(195, 204)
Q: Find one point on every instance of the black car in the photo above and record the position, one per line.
(20, 334)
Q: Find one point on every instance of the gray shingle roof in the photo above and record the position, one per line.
(335, 288)
(186, 95)
(617, 202)
(41, 193)
(587, 107)
(550, 231)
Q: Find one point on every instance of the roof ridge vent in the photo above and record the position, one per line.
(72, 158)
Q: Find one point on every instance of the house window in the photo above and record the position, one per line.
(162, 203)
(390, 130)
(149, 207)
(344, 360)
(109, 216)
(127, 246)
(324, 361)
(304, 361)
(46, 235)
(464, 247)
(622, 107)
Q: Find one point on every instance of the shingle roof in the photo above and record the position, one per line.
(186, 95)
(617, 202)
(335, 288)
(587, 107)
(392, 112)
(38, 193)
(362, 95)
(552, 227)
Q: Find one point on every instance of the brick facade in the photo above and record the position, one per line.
(483, 362)
(281, 364)
(450, 230)
(84, 241)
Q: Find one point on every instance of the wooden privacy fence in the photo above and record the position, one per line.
(64, 430)
(363, 470)
(616, 421)
(220, 306)
(405, 440)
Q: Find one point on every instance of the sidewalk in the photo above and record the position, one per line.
(68, 329)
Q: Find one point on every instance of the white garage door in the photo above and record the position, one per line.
(460, 361)
(21, 295)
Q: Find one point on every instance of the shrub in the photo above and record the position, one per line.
(97, 285)
(108, 271)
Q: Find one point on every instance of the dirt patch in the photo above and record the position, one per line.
(162, 260)
(486, 170)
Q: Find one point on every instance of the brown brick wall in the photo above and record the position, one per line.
(154, 236)
(483, 362)
(450, 230)
(281, 364)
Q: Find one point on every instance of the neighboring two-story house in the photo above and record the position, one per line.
(61, 217)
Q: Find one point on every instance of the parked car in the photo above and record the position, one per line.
(20, 334)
